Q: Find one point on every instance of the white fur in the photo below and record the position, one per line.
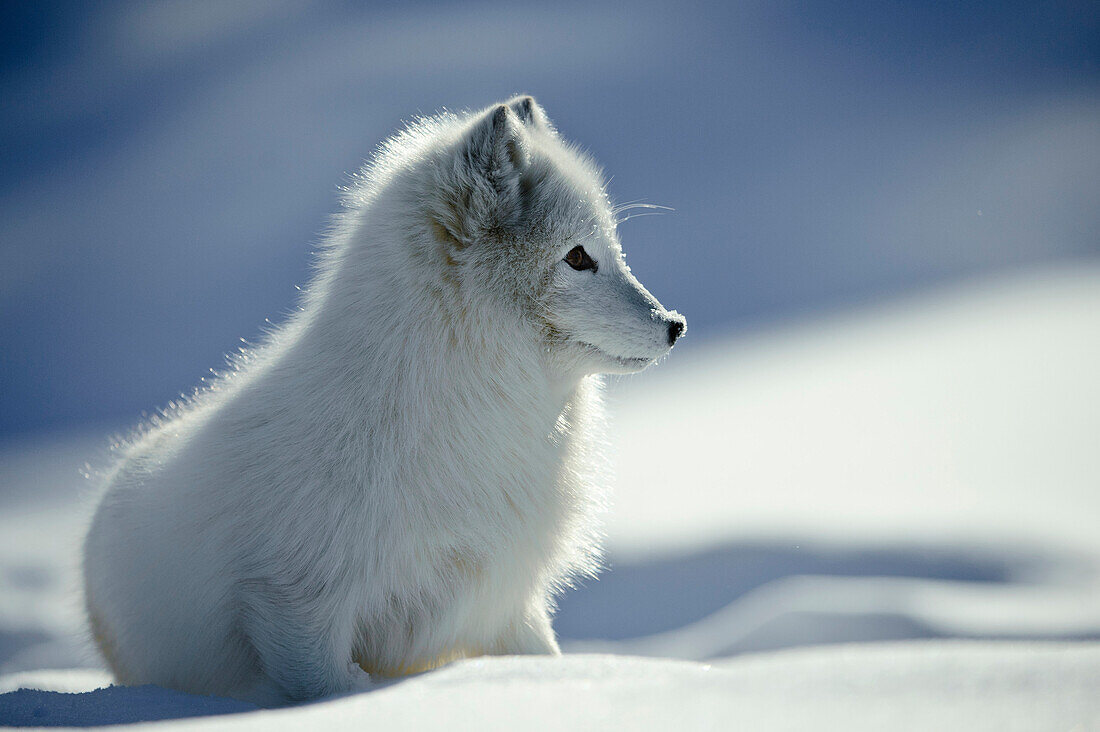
(406, 471)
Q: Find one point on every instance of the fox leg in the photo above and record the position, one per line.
(304, 651)
(531, 634)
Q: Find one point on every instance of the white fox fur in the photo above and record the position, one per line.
(406, 471)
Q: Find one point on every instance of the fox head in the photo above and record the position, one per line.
(522, 229)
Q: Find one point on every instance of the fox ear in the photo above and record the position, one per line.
(496, 146)
(529, 112)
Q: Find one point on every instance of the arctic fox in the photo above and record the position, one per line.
(405, 472)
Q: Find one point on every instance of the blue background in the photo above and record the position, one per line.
(166, 169)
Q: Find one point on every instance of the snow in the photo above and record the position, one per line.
(878, 519)
(957, 685)
(963, 414)
(27, 705)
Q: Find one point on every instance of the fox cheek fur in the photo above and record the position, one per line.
(406, 471)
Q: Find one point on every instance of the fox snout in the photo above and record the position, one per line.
(668, 326)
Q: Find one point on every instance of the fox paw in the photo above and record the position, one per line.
(358, 679)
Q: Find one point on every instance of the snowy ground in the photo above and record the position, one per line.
(925, 472)
(953, 686)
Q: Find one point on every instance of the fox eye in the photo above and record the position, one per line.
(579, 260)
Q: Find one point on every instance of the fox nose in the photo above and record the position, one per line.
(675, 330)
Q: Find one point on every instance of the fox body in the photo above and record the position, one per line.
(406, 471)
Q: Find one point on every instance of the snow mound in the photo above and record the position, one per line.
(924, 471)
(956, 685)
(965, 415)
(111, 705)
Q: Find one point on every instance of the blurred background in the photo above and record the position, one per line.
(885, 236)
(168, 167)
